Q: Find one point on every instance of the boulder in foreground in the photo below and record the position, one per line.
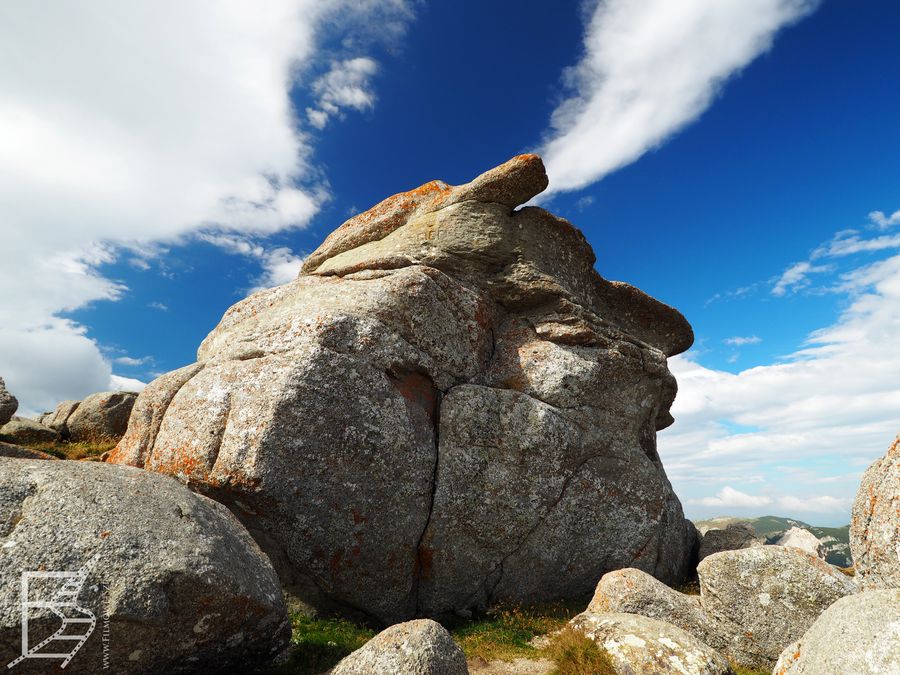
(875, 523)
(859, 634)
(752, 602)
(183, 586)
(448, 409)
(420, 647)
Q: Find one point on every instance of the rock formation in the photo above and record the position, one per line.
(875, 524)
(731, 538)
(859, 634)
(24, 430)
(99, 417)
(8, 404)
(20, 452)
(752, 602)
(638, 644)
(448, 408)
(421, 647)
(182, 585)
(797, 537)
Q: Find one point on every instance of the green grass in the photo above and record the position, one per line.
(318, 644)
(506, 633)
(746, 670)
(576, 654)
(83, 450)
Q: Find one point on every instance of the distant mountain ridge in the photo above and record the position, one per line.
(835, 539)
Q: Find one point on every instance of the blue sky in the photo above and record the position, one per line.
(159, 163)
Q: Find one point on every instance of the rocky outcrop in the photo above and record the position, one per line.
(859, 634)
(447, 409)
(752, 602)
(173, 581)
(731, 538)
(24, 430)
(638, 644)
(421, 647)
(101, 416)
(20, 452)
(8, 404)
(797, 537)
(57, 419)
(875, 524)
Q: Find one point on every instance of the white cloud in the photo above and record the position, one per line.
(740, 341)
(346, 85)
(796, 277)
(649, 68)
(831, 405)
(126, 124)
(162, 307)
(729, 497)
(883, 221)
(131, 361)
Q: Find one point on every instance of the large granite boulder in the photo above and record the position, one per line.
(638, 644)
(875, 523)
(21, 452)
(752, 602)
(421, 647)
(448, 408)
(100, 417)
(730, 538)
(8, 404)
(171, 580)
(859, 634)
(24, 430)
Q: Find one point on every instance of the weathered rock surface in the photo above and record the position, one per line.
(19, 452)
(183, 585)
(8, 404)
(797, 537)
(752, 602)
(421, 647)
(859, 634)
(100, 416)
(448, 408)
(733, 537)
(24, 430)
(638, 644)
(57, 419)
(875, 523)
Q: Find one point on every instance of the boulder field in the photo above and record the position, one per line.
(447, 409)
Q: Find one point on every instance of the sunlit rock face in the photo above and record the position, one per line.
(448, 408)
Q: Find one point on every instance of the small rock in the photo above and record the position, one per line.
(8, 404)
(420, 647)
(798, 538)
(859, 634)
(19, 452)
(735, 536)
(57, 419)
(24, 430)
(875, 523)
(638, 644)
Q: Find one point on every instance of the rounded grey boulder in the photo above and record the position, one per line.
(101, 416)
(24, 430)
(730, 538)
(420, 647)
(170, 579)
(859, 634)
(638, 644)
(875, 523)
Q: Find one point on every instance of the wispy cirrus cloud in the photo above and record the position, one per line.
(649, 68)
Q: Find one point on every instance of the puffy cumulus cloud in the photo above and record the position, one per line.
(346, 85)
(884, 221)
(729, 497)
(649, 68)
(127, 124)
(830, 406)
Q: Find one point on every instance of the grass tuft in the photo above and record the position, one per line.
(574, 653)
(318, 644)
(747, 670)
(81, 450)
(506, 634)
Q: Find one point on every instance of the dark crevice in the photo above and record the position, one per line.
(423, 561)
(220, 435)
